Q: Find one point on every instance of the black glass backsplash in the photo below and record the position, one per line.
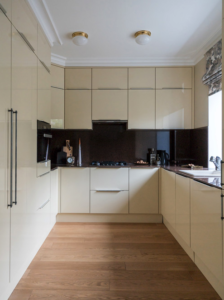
(114, 142)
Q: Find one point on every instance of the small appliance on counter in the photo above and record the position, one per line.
(151, 156)
(164, 157)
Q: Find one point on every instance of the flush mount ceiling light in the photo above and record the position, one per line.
(142, 37)
(79, 38)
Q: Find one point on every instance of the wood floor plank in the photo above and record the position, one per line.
(112, 262)
(120, 295)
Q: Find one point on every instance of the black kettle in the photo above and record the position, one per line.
(163, 157)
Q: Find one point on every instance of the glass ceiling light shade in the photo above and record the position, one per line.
(79, 38)
(142, 37)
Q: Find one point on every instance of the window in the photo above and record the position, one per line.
(215, 126)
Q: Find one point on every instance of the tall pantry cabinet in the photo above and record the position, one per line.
(24, 224)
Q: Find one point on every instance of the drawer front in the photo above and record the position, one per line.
(109, 179)
(109, 202)
(43, 168)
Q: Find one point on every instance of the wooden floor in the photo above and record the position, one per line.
(112, 262)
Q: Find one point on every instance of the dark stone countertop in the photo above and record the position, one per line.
(211, 181)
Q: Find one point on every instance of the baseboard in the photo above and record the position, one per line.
(183, 244)
(109, 218)
(11, 286)
(216, 284)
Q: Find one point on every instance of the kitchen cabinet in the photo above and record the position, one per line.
(109, 78)
(143, 191)
(78, 110)
(168, 202)
(109, 105)
(206, 226)
(5, 104)
(7, 6)
(57, 108)
(141, 109)
(75, 190)
(109, 179)
(24, 21)
(54, 194)
(174, 78)
(24, 100)
(78, 79)
(142, 78)
(173, 109)
(183, 208)
(43, 48)
(109, 202)
(44, 105)
(57, 77)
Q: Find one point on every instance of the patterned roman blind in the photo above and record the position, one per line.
(213, 75)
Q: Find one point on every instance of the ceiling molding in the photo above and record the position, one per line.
(45, 19)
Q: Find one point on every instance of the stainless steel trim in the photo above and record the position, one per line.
(113, 191)
(3, 9)
(108, 89)
(42, 206)
(142, 89)
(44, 174)
(11, 155)
(16, 127)
(45, 66)
(26, 41)
(49, 136)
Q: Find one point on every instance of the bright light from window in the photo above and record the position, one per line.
(215, 126)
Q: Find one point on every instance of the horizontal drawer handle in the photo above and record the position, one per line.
(113, 191)
(108, 89)
(142, 88)
(45, 203)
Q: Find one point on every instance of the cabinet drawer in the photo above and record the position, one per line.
(109, 105)
(109, 202)
(109, 78)
(109, 179)
(173, 78)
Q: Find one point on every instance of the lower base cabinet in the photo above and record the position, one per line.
(144, 191)
(109, 202)
(75, 190)
(183, 208)
(206, 226)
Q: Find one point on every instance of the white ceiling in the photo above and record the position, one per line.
(182, 30)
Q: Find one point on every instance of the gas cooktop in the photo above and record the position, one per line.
(108, 163)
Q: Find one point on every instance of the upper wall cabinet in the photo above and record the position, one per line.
(173, 109)
(25, 22)
(141, 109)
(109, 105)
(44, 49)
(173, 78)
(78, 79)
(109, 78)
(7, 6)
(57, 77)
(78, 110)
(142, 78)
(57, 108)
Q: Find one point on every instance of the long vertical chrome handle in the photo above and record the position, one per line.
(222, 162)
(16, 129)
(11, 156)
(222, 218)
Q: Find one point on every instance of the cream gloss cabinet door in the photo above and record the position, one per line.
(44, 48)
(5, 104)
(168, 201)
(57, 108)
(57, 77)
(141, 109)
(75, 190)
(144, 191)
(109, 105)
(183, 208)
(109, 78)
(78, 79)
(206, 226)
(78, 110)
(25, 22)
(24, 100)
(173, 109)
(142, 78)
(54, 194)
(174, 78)
(7, 6)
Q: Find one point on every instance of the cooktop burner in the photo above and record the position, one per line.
(108, 163)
